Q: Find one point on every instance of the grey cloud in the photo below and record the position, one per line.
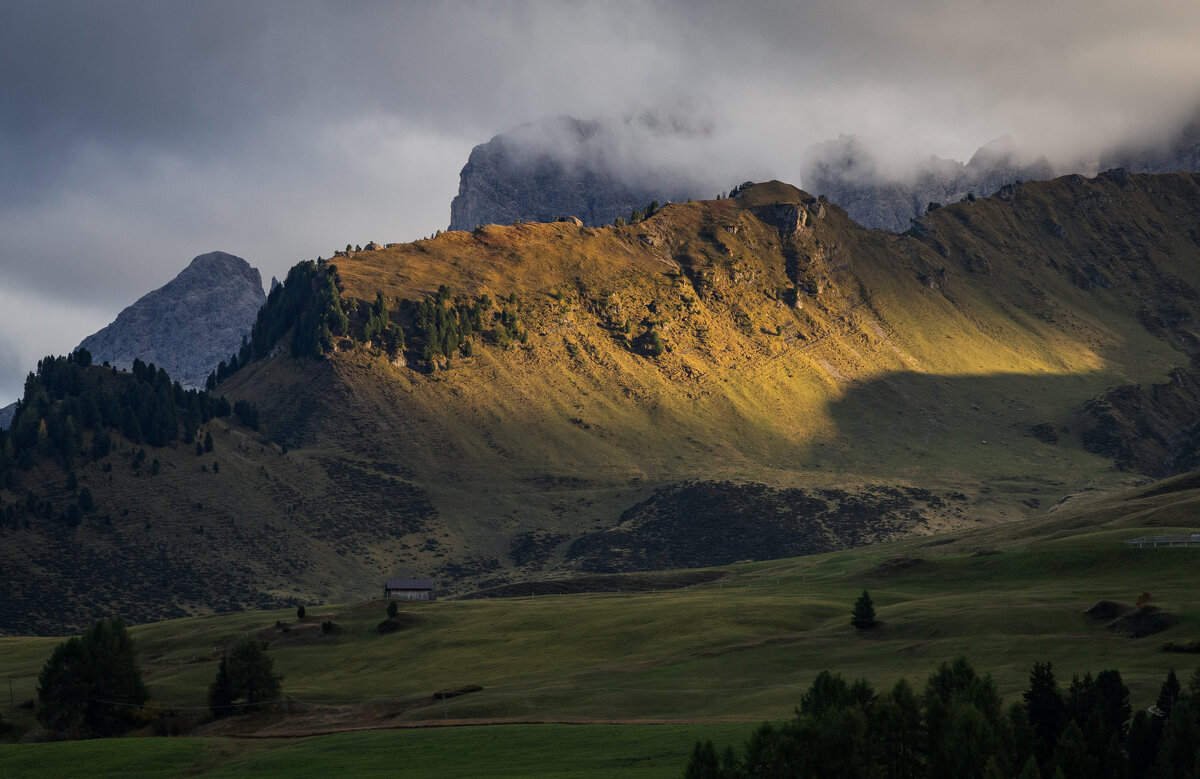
(135, 135)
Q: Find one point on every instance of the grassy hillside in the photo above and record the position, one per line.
(820, 386)
(741, 648)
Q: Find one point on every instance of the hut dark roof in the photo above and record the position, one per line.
(409, 584)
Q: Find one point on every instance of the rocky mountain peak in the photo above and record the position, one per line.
(563, 166)
(189, 324)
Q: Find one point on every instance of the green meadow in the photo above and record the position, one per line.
(638, 677)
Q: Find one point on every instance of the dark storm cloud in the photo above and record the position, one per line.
(135, 135)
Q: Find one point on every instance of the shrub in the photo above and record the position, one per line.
(392, 609)
(656, 343)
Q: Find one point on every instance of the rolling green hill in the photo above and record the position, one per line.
(819, 386)
(741, 648)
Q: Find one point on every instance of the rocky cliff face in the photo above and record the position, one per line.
(188, 325)
(561, 167)
(568, 167)
(850, 173)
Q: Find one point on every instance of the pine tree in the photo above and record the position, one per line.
(221, 692)
(1045, 709)
(1169, 694)
(703, 763)
(863, 616)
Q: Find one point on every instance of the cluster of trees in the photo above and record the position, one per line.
(444, 324)
(640, 214)
(378, 326)
(92, 685)
(68, 396)
(68, 399)
(309, 304)
(239, 359)
(957, 728)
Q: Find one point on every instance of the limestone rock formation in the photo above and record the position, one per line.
(851, 173)
(188, 325)
(563, 167)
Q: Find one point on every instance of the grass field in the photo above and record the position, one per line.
(493, 751)
(741, 649)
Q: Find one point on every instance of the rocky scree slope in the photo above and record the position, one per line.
(189, 324)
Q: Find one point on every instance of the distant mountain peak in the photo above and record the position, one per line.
(189, 324)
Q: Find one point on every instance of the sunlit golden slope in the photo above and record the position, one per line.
(920, 361)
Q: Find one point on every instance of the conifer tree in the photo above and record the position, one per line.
(1169, 694)
(91, 685)
(863, 616)
(221, 692)
(1045, 709)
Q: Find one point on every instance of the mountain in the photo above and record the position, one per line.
(593, 170)
(564, 166)
(188, 325)
(745, 378)
(853, 173)
(1175, 151)
(850, 171)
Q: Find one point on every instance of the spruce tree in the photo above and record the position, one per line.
(863, 616)
(1169, 694)
(1045, 708)
(221, 692)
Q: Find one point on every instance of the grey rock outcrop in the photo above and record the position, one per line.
(565, 167)
(850, 172)
(6, 415)
(188, 325)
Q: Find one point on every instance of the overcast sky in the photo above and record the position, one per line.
(136, 135)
